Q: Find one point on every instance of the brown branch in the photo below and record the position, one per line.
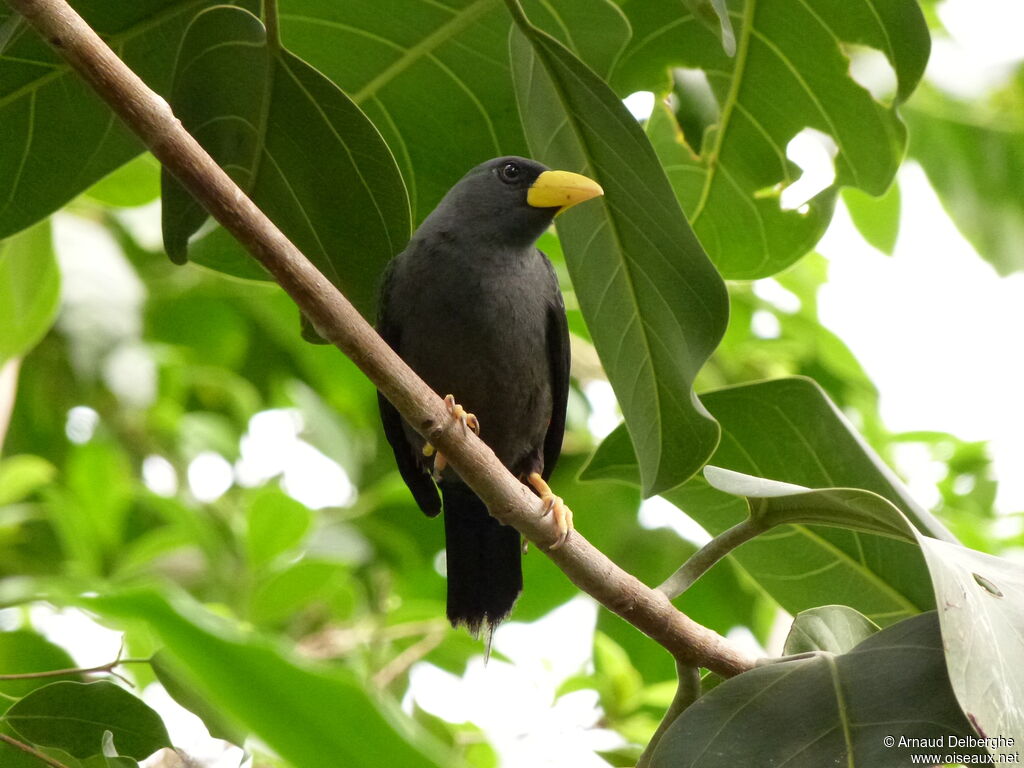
(150, 117)
(32, 751)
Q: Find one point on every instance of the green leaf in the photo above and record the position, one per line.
(654, 305)
(826, 710)
(24, 651)
(982, 597)
(29, 288)
(773, 503)
(73, 716)
(13, 757)
(258, 109)
(135, 183)
(286, 592)
(876, 218)
(832, 628)
(55, 127)
(20, 476)
(974, 159)
(432, 77)
(175, 682)
(982, 615)
(90, 517)
(789, 431)
(790, 72)
(258, 688)
(275, 523)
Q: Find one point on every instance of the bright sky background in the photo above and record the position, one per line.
(930, 325)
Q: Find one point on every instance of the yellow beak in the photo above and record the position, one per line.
(561, 190)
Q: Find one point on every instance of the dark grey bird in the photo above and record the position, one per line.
(474, 308)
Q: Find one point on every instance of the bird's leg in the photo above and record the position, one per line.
(555, 506)
(468, 421)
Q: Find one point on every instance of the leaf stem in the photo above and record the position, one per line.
(687, 692)
(709, 554)
(270, 21)
(32, 751)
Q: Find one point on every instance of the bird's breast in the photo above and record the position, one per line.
(478, 331)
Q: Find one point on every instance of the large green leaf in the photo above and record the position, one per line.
(789, 431)
(74, 716)
(982, 613)
(974, 157)
(29, 289)
(259, 109)
(58, 136)
(790, 72)
(301, 712)
(827, 710)
(655, 306)
(981, 597)
(434, 78)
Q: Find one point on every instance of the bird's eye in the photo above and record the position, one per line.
(509, 172)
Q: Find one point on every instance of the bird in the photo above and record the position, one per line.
(474, 308)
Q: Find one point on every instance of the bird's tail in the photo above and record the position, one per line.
(485, 574)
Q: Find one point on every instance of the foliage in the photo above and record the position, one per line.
(288, 620)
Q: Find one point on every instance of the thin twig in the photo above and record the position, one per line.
(32, 751)
(108, 668)
(151, 119)
(407, 658)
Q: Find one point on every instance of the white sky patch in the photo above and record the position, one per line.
(143, 222)
(983, 49)
(159, 476)
(188, 733)
(81, 423)
(640, 104)
(931, 326)
(656, 512)
(781, 298)
(515, 705)
(209, 476)
(315, 480)
(604, 408)
(272, 447)
(89, 643)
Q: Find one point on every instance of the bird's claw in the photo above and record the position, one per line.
(468, 420)
(554, 506)
(458, 412)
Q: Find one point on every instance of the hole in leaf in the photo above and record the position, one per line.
(814, 153)
(694, 105)
(987, 585)
(871, 70)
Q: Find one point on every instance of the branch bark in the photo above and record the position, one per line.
(151, 118)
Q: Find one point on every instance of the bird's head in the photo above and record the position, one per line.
(510, 201)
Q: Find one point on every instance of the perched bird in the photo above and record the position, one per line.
(474, 308)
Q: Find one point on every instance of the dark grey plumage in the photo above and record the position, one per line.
(475, 309)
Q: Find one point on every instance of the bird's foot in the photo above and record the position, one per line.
(554, 506)
(460, 413)
(469, 421)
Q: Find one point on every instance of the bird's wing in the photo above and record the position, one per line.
(418, 481)
(557, 342)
